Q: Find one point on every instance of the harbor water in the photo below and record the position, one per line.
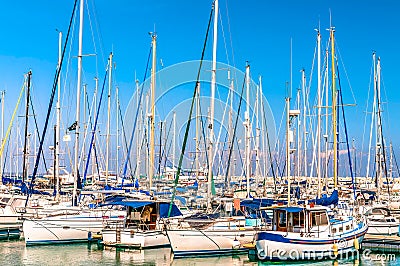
(16, 253)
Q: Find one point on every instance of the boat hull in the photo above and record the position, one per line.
(60, 231)
(65, 228)
(277, 246)
(133, 239)
(383, 229)
(10, 226)
(192, 242)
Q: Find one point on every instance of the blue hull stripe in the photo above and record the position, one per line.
(204, 253)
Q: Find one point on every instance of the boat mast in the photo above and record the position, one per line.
(319, 115)
(58, 121)
(230, 123)
(174, 146)
(379, 137)
(78, 102)
(334, 119)
(152, 108)
(2, 132)
(211, 122)
(117, 137)
(303, 85)
(257, 144)
(198, 123)
(138, 139)
(288, 147)
(326, 77)
(391, 161)
(299, 144)
(108, 115)
(24, 165)
(247, 125)
(93, 156)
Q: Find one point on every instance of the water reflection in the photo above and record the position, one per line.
(16, 253)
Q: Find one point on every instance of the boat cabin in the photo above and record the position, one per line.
(381, 215)
(299, 219)
(146, 214)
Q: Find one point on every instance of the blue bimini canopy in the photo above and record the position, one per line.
(291, 209)
(164, 207)
(134, 204)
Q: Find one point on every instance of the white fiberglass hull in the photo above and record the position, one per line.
(383, 228)
(10, 221)
(193, 242)
(63, 229)
(135, 239)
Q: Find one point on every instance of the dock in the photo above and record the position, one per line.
(381, 242)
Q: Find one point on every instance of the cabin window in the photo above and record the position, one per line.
(298, 219)
(5, 200)
(334, 230)
(347, 227)
(282, 219)
(319, 218)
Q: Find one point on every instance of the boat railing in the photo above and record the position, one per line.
(113, 224)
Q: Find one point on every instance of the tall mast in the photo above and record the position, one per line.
(138, 139)
(264, 152)
(247, 125)
(78, 103)
(303, 84)
(94, 139)
(198, 123)
(211, 122)
(108, 115)
(288, 163)
(58, 121)
(174, 145)
(326, 114)
(117, 137)
(373, 120)
(230, 125)
(24, 165)
(257, 144)
(379, 137)
(2, 132)
(298, 136)
(391, 161)
(319, 115)
(334, 119)
(152, 108)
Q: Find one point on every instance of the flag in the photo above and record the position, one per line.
(73, 126)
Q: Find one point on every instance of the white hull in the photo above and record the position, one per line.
(192, 242)
(383, 229)
(135, 239)
(64, 228)
(10, 221)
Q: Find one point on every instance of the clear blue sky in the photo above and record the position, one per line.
(260, 32)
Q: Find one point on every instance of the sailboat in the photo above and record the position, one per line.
(309, 232)
(65, 223)
(379, 217)
(143, 226)
(145, 219)
(206, 234)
